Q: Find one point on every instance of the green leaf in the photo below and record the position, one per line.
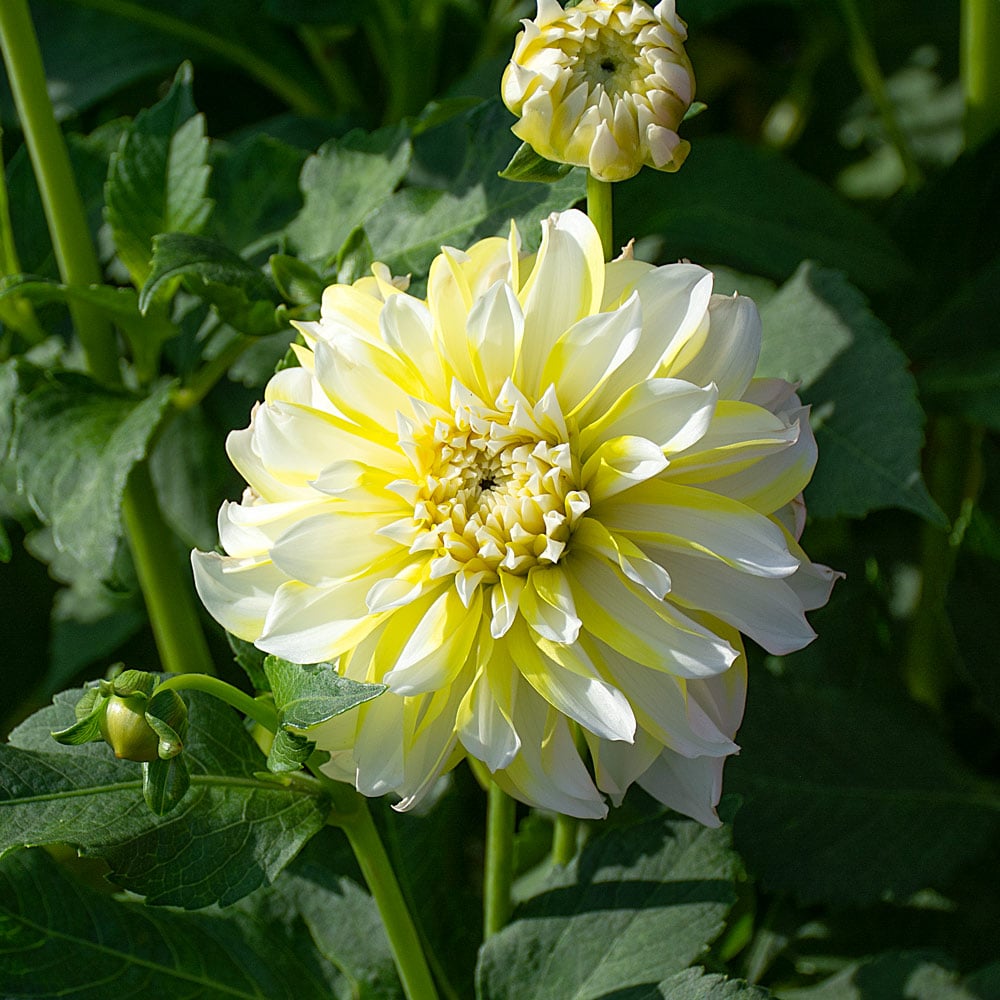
(409, 229)
(164, 784)
(230, 834)
(819, 332)
(255, 187)
(75, 445)
(342, 184)
(251, 659)
(242, 295)
(62, 939)
(901, 976)
(693, 984)
(527, 165)
(158, 177)
(326, 888)
(848, 800)
(297, 282)
(289, 751)
(750, 209)
(640, 904)
(307, 695)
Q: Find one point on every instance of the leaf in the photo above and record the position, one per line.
(819, 332)
(307, 695)
(255, 187)
(527, 165)
(641, 903)
(900, 976)
(848, 800)
(342, 184)
(327, 889)
(231, 833)
(409, 229)
(74, 448)
(752, 210)
(693, 984)
(242, 295)
(63, 939)
(158, 177)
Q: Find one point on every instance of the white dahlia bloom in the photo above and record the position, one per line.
(603, 85)
(540, 505)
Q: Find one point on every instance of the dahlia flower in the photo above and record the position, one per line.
(603, 85)
(540, 505)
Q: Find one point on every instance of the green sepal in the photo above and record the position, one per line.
(130, 682)
(85, 730)
(166, 714)
(694, 110)
(289, 751)
(355, 257)
(296, 280)
(164, 783)
(527, 165)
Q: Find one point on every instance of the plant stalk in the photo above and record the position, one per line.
(407, 951)
(56, 184)
(260, 711)
(599, 202)
(980, 61)
(870, 74)
(499, 870)
(166, 589)
(564, 834)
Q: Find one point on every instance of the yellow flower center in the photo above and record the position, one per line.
(611, 61)
(495, 488)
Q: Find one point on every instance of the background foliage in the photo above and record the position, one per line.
(232, 163)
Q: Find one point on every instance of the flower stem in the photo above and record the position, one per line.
(564, 839)
(258, 710)
(407, 951)
(56, 184)
(981, 69)
(499, 874)
(599, 210)
(870, 74)
(166, 589)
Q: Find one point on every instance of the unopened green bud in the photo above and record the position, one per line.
(126, 731)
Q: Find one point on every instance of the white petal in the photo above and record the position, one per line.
(670, 413)
(691, 786)
(729, 355)
(620, 464)
(495, 326)
(547, 605)
(237, 592)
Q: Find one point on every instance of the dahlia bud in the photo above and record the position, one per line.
(602, 85)
(138, 722)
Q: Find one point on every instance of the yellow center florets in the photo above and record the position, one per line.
(495, 489)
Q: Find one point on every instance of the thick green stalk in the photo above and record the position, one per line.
(564, 834)
(599, 210)
(981, 69)
(165, 586)
(407, 951)
(499, 870)
(870, 74)
(56, 184)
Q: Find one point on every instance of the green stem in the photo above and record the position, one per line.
(166, 589)
(870, 74)
(258, 710)
(599, 210)
(564, 834)
(404, 940)
(56, 184)
(981, 69)
(287, 87)
(499, 872)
